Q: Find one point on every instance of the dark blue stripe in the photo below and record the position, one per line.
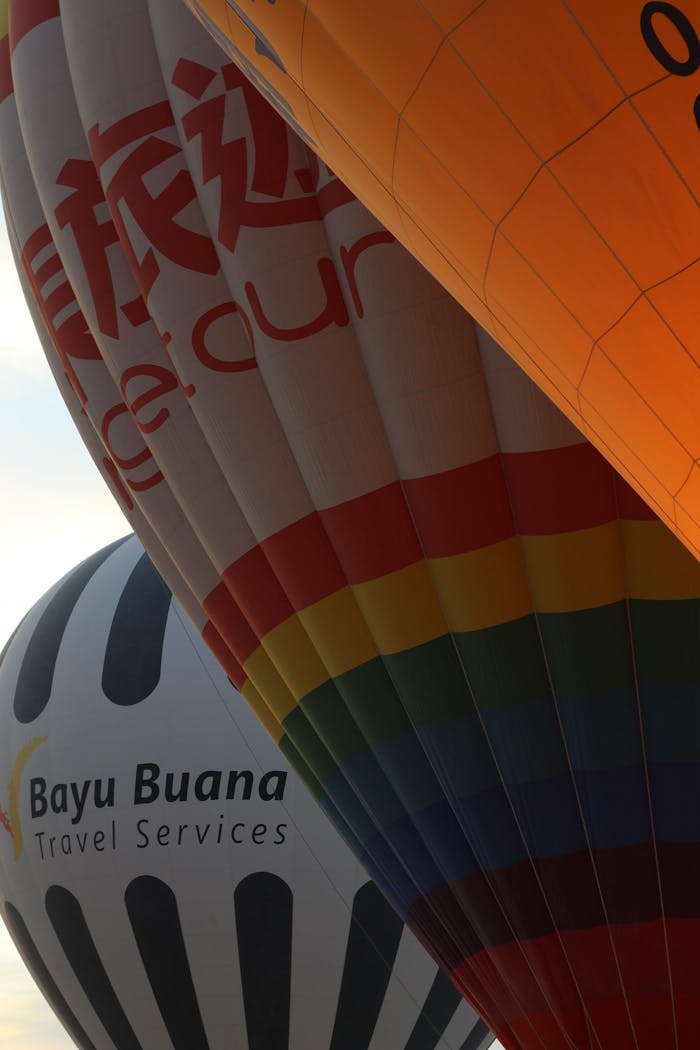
(155, 920)
(135, 645)
(75, 938)
(373, 941)
(479, 1038)
(438, 1010)
(601, 727)
(48, 987)
(263, 904)
(36, 673)
(671, 720)
(615, 807)
(615, 804)
(675, 795)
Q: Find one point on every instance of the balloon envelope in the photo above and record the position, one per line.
(539, 159)
(473, 642)
(167, 878)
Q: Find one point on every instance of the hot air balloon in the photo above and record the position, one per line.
(167, 878)
(540, 160)
(474, 643)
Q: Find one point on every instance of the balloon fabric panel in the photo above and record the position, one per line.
(539, 160)
(447, 609)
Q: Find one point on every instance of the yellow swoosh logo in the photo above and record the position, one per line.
(17, 770)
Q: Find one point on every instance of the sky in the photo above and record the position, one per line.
(54, 511)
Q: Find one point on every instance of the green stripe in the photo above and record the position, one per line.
(667, 640)
(368, 694)
(300, 767)
(588, 650)
(504, 664)
(503, 676)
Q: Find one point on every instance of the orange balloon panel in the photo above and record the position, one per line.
(541, 160)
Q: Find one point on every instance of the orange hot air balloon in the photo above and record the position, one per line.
(541, 160)
(474, 643)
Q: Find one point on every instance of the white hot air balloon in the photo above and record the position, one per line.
(166, 877)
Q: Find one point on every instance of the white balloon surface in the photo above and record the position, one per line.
(167, 878)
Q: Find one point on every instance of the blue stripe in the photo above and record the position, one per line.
(675, 793)
(614, 803)
(671, 718)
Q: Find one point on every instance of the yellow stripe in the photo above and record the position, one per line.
(338, 630)
(266, 680)
(290, 649)
(261, 711)
(483, 588)
(4, 24)
(345, 630)
(575, 570)
(304, 651)
(566, 572)
(658, 566)
(401, 609)
(15, 781)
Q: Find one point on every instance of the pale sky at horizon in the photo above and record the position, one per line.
(56, 511)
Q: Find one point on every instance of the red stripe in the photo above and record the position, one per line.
(560, 490)
(461, 510)
(48, 269)
(641, 956)
(60, 297)
(258, 592)
(684, 951)
(536, 931)
(630, 506)
(305, 544)
(223, 654)
(484, 989)
(373, 534)
(35, 243)
(104, 144)
(539, 1003)
(25, 15)
(386, 530)
(315, 557)
(230, 623)
(6, 86)
(564, 893)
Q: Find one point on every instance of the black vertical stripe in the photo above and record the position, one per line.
(479, 1038)
(375, 932)
(68, 921)
(438, 1010)
(155, 920)
(37, 670)
(38, 969)
(263, 904)
(135, 644)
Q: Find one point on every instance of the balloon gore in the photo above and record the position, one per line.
(470, 638)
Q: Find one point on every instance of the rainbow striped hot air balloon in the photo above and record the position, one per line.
(476, 645)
